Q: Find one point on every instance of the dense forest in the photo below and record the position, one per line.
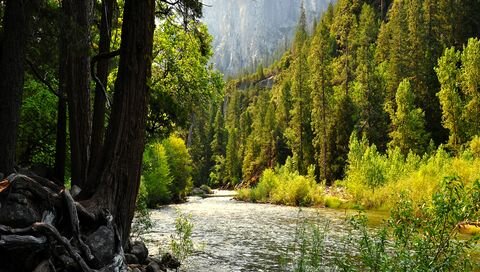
(399, 76)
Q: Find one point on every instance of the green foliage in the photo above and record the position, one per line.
(470, 75)
(299, 132)
(180, 167)
(36, 135)
(309, 247)
(420, 237)
(449, 96)
(374, 178)
(156, 175)
(285, 186)
(182, 79)
(355, 72)
(167, 170)
(181, 243)
(475, 146)
(408, 122)
(320, 59)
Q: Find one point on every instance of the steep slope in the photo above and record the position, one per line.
(247, 32)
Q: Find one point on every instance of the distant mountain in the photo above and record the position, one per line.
(246, 32)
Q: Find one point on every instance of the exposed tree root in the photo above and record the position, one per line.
(49, 244)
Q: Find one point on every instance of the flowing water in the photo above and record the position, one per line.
(238, 236)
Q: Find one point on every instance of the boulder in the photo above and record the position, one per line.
(169, 261)
(139, 249)
(154, 267)
(102, 244)
(18, 212)
(131, 259)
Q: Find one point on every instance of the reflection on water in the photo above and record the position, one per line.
(238, 236)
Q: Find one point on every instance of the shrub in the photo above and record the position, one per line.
(373, 179)
(156, 175)
(285, 186)
(180, 165)
(420, 237)
(475, 146)
(181, 243)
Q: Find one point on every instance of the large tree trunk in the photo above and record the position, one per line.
(120, 176)
(77, 80)
(99, 109)
(61, 134)
(12, 68)
(61, 139)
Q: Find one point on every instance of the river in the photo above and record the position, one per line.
(238, 236)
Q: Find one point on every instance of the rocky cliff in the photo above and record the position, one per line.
(248, 32)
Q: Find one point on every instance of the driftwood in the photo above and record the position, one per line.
(56, 240)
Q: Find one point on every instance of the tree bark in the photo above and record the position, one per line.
(120, 176)
(12, 68)
(61, 140)
(77, 80)
(99, 108)
(61, 134)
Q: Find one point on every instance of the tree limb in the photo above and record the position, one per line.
(93, 73)
(45, 82)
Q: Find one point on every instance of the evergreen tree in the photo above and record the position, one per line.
(218, 147)
(408, 122)
(320, 59)
(233, 167)
(260, 144)
(299, 132)
(340, 129)
(368, 88)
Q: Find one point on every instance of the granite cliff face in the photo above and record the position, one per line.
(246, 32)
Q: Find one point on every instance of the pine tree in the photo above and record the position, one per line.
(218, 147)
(320, 59)
(340, 128)
(299, 132)
(233, 167)
(368, 90)
(408, 122)
(260, 144)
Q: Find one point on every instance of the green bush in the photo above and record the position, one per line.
(374, 179)
(167, 171)
(420, 237)
(475, 146)
(181, 243)
(286, 187)
(180, 165)
(156, 175)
